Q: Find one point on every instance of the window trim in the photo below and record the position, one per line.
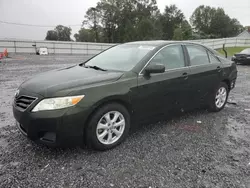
(184, 58)
(211, 54)
(188, 57)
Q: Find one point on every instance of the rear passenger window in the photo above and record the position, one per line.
(198, 55)
(171, 57)
(213, 59)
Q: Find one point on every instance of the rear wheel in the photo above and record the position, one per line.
(220, 97)
(108, 127)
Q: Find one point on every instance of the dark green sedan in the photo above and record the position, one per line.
(95, 102)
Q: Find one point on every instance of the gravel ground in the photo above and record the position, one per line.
(179, 152)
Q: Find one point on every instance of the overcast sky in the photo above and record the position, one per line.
(71, 12)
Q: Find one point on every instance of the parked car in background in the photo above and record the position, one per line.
(243, 57)
(97, 101)
(43, 51)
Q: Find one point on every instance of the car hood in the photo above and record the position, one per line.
(60, 82)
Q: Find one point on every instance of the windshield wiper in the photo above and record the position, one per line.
(94, 67)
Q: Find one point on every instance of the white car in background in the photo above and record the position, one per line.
(43, 51)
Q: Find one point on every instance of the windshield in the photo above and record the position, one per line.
(122, 57)
(246, 51)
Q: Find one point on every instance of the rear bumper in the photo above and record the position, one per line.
(53, 128)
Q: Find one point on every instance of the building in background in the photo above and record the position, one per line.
(245, 34)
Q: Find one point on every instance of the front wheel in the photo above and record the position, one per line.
(220, 97)
(108, 127)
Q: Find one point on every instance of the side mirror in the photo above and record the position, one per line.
(157, 68)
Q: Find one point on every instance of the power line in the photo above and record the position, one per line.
(31, 25)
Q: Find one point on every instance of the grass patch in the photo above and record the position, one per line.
(232, 50)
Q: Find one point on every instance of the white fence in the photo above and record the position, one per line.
(54, 47)
(84, 48)
(229, 42)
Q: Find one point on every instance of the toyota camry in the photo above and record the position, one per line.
(97, 101)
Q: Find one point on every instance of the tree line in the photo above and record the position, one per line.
(118, 21)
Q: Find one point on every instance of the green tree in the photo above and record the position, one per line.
(63, 33)
(85, 35)
(186, 30)
(60, 33)
(145, 29)
(51, 35)
(201, 19)
(178, 34)
(210, 22)
(92, 19)
(118, 21)
(147, 20)
(183, 32)
(124, 20)
(171, 19)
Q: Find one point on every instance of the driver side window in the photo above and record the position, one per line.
(171, 57)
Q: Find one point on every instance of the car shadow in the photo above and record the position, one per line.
(170, 117)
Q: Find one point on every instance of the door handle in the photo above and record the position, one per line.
(185, 75)
(218, 69)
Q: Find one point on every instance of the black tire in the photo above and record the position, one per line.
(90, 131)
(213, 106)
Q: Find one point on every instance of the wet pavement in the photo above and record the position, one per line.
(196, 149)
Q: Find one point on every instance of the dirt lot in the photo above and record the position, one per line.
(180, 152)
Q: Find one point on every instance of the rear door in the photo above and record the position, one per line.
(163, 92)
(206, 73)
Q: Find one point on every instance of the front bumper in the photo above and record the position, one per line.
(53, 128)
(242, 60)
(62, 127)
(232, 84)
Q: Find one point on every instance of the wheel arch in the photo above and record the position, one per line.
(227, 81)
(114, 99)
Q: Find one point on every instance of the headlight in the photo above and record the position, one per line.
(57, 103)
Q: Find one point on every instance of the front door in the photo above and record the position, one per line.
(163, 92)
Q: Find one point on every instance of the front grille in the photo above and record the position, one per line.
(23, 102)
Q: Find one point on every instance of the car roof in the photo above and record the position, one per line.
(151, 42)
(160, 42)
(247, 50)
